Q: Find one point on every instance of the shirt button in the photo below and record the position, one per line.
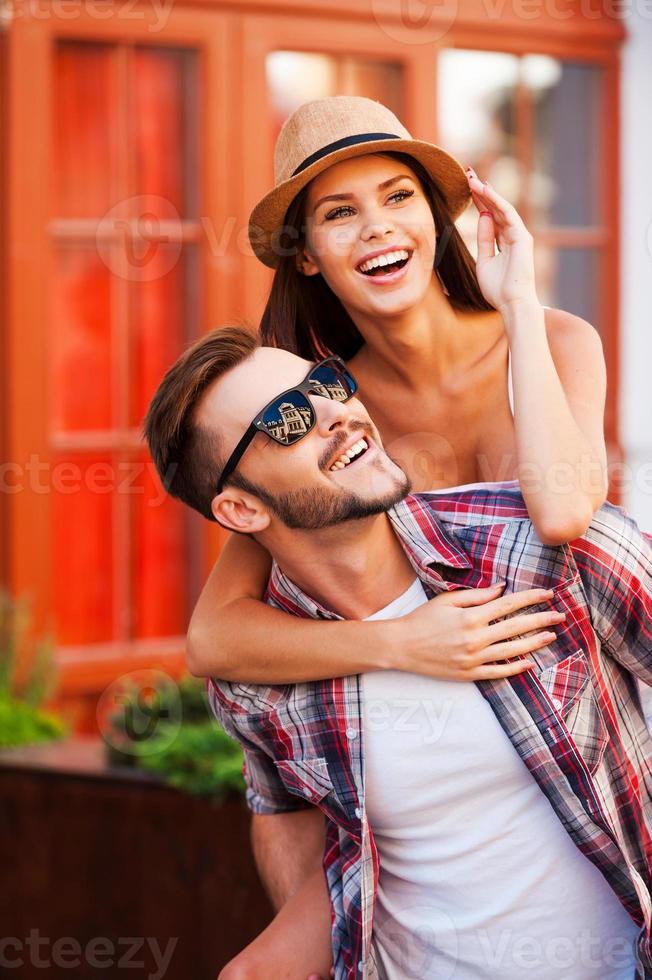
(351, 733)
(557, 703)
(360, 966)
(358, 812)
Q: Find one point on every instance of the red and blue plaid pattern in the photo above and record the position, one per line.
(575, 719)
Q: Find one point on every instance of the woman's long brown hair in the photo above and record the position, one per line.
(303, 314)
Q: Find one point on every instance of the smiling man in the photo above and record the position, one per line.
(505, 831)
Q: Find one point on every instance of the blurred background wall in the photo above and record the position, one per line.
(136, 136)
(636, 265)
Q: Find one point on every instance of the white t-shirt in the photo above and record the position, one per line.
(479, 880)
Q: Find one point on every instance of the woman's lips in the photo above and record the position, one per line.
(387, 278)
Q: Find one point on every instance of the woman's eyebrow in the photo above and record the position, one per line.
(347, 197)
(394, 180)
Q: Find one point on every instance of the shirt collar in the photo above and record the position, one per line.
(282, 591)
(426, 544)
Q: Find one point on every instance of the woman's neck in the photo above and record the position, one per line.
(418, 346)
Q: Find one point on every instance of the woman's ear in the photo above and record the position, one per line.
(306, 264)
(237, 510)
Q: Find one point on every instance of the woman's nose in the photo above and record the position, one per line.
(376, 225)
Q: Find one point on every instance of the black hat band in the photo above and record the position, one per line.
(341, 144)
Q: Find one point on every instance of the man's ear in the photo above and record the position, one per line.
(238, 510)
(306, 264)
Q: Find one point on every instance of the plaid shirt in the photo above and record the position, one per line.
(575, 719)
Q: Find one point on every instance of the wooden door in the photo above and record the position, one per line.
(113, 157)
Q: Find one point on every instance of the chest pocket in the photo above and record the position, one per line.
(308, 778)
(570, 688)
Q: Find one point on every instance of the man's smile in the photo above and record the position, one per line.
(351, 454)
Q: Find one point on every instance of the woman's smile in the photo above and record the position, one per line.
(381, 221)
(386, 266)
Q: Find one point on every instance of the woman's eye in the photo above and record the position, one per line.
(400, 195)
(338, 212)
(345, 210)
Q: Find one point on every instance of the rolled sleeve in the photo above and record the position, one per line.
(266, 792)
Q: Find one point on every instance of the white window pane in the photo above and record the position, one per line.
(564, 188)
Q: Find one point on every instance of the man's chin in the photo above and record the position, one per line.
(316, 509)
(389, 484)
(400, 476)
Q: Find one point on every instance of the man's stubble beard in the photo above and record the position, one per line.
(317, 508)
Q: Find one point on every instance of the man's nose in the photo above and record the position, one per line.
(331, 414)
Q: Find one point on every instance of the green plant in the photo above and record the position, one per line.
(187, 745)
(22, 720)
(201, 759)
(20, 724)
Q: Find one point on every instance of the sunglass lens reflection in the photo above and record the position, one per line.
(288, 419)
(332, 383)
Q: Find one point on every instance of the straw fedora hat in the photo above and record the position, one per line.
(321, 133)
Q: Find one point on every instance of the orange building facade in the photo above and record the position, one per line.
(135, 139)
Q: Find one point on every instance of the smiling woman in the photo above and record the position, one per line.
(398, 199)
(345, 252)
(369, 265)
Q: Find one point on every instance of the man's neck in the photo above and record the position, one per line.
(353, 569)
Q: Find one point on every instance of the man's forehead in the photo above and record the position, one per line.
(244, 390)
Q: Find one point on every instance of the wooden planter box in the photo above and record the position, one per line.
(89, 853)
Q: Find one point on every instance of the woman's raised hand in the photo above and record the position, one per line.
(505, 277)
(463, 635)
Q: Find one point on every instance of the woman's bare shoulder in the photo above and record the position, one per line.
(571, 336)
(562, 325)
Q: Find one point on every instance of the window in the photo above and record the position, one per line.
(294, 77)
(124, 303)
(530, 125)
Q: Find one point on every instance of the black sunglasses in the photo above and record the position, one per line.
(290, 416)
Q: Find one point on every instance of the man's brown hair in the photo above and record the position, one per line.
(187, 456)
